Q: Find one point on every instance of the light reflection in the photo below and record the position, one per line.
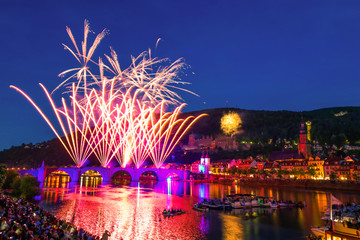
(232, 228)
(135, 211)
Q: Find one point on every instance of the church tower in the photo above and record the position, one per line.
(304, 146)
(308, 128)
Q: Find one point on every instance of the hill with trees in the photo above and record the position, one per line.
(339, 126)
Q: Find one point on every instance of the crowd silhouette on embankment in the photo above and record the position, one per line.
(24, 220)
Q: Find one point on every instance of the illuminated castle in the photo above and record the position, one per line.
(210, 143)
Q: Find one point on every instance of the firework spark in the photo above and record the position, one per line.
(118, 113)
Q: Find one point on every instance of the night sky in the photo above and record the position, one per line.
(259, 55)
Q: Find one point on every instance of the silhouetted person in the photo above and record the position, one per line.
(106, 235)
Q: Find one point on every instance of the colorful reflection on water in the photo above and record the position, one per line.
(135, 211)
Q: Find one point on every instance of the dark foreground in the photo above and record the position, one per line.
(23, 220)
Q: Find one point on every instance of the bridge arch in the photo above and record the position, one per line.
(148, 174)
(91, 178)
(52, 170)
(57, 178)
(172, 176)
(121, 177)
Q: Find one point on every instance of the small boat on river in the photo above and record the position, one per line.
(171, 213)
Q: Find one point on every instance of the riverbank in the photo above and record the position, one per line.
(285, 183)
(305, 184)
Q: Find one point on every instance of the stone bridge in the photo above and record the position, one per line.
(106, 173)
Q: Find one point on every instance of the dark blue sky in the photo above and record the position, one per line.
(264, 55)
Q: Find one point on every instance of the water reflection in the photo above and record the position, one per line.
(121, 178)
(135, 211)
(91, 178)
(57, 179)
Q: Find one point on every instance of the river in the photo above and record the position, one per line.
(135, 211)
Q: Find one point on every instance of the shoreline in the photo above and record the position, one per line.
(324, 185)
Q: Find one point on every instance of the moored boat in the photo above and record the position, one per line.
(319, 231)
(237, 205)
(200, 208)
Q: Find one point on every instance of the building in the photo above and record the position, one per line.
(209, 143)
(331, 165)
(318, 164)
(294, 165)
(203, 166)
(303, 152)
(304, 146)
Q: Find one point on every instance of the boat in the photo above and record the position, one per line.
(283, 204)
(255, 203)
(237, 204)
(200, 208)
(265, 205)
(274, 204)
(246, 204)
(171, 213)
(213, 204)
(264, 202)
(345, 221)
(319, 231)
(342, 231)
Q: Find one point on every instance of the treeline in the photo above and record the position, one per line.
(26, 187)
(32, 155)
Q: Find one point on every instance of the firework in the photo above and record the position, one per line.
(118, 113)
(75, 129)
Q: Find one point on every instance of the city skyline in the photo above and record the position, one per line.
(295, 56)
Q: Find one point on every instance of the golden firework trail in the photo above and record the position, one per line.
(118, 113)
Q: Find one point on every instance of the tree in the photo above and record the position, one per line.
(233, 170)
(10, 177)
(311, 171)
(279, 173)
(2, 174)
(264, 173)
(302, 172)
(295, 172)
(339, 140)
(356, 176)
(333, 176)
(26, 187)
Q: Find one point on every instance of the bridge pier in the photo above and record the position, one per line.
(41, 174)
(106, 175)
(75, 176)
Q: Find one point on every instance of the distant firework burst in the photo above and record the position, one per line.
(114, 113)
(230, 123)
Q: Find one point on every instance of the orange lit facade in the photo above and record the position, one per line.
(318, 165)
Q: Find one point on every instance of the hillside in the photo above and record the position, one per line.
(260, 126)
(329, 125)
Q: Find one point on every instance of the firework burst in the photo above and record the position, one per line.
(118, 113)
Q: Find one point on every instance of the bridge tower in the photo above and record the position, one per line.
(204, 166)
(41, 174)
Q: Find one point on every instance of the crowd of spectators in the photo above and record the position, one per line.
(23, 220)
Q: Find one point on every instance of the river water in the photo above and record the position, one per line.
(135, 211)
